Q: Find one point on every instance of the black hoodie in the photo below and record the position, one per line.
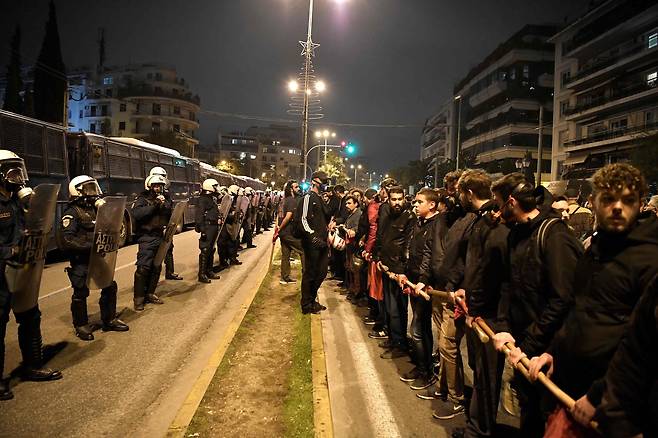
(612, 275)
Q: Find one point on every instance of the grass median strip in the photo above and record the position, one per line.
(263, 385)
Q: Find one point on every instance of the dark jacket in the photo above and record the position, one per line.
(77, 229)
(207, 211)
(364, 225)
(315, 216)
(484, 273)
(451, 269)
(395, 239)
(434, 252)
(382, 216)
(151, 216)
(630, 398)
(541, 286)
(611, 276)
(423, 230)
(12, 222)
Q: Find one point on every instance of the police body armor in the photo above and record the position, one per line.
(174, 222)
(241, 206)
(103, 258)
(24, 274)
(224, 210)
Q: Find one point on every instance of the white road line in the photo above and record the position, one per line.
(379, 410)
(69, 287)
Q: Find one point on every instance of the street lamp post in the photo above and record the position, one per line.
(357, 167)
(324, 134)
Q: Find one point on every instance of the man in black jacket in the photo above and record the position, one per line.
(542, 257)
(314, 219)
(207, 223)
(393, 251)
(483, 281)
(617, 267)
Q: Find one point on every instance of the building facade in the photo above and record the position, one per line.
(436, 141)
(139, 101)
(606, 93)
(497, 105)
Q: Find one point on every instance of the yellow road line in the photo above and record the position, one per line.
(178, 427)
(322, 419)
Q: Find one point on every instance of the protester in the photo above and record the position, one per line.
(289, 243)
(350, 227)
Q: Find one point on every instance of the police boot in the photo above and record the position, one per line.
(108, 305)
(169, 268)
(80, 319)
(141, 284)
(5, 391)
(30, 343)
(203, 269)
(154, 278)
(210, 273)
(235, 261)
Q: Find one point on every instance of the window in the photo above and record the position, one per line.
(566, 76)
(652, 40)
(155, 126)
(619, 125)
(137, 108)
(104, 110)
(122, 108)
(234, 141)
(81, 114)
(176, 110)
(649, 117)
(192, 116)
(512, 73)
(157, 90)
(156, 109)
(503, 75)
(265, 151)
(97, 93)
(137, 126)
(92, 110)
(122, 126)
(651, 79)
(108, 92)
(244, 141)
(526, 71)
(564, 107)
(174, 91)
(107, 80)
(158, 76)
(92, 127)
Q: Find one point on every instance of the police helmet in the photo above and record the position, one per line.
(249, 191)
(12, 168)
(84, 185)
(240, 191)
(155, 179)
(223, 190)
(157, 170)
(210, 185)
(233, 189)
(387, 183)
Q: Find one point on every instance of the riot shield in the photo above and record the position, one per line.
(24, 272)
(224, 210)
(174, 222)
(254, 210)
(103, 258)
(241, 206)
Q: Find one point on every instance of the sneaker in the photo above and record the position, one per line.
(410, 376)
(369, 321)
(287, 281)
(431, 393)
(448, 410)
(393, 353)
(378, 334)
(422, 382)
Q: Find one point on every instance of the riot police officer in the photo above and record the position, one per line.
(151, 211)
(247, 223)
(227, 246)
(77, 236)
(169, 258)
(207, 223)
(13, 177)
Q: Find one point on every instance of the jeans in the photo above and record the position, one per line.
(315, 262)
(451, 374)
(421, 333)
(288, 245)
(396, 304)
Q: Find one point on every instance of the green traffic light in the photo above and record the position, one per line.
(350, 149)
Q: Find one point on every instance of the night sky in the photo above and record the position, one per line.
(384, 61)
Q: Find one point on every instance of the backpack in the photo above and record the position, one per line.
(541, 234)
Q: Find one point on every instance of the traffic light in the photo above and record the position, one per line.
(305, 186)
(349, 148)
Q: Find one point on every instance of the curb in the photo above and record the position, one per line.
(178, 427)
(322, 419)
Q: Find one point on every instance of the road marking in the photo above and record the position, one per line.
(322, 420)
(69, 287)
(178, 427)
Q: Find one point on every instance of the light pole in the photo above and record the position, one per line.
(324, 134)
(357, 167)
(459, 128)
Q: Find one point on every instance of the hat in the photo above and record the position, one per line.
(322, 176)
(571, 193)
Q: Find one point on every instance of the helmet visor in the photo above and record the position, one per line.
(16, 175)
(90, 188)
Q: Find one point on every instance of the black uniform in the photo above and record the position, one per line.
(227, 246)
(207, 223)
(169, 257)
(12, 220)
(77, 235)
(314, 216)
(151, 217)
(248, 233)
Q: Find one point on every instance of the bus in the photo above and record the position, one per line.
(120, 164)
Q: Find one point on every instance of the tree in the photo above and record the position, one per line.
(415, 173)
(50, 81)
(645, 156)
(13, 100)
(335, 168)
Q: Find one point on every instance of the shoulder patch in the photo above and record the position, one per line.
(66, 220)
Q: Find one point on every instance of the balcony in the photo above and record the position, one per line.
(614, 97)
(610, 134)
(149, 91)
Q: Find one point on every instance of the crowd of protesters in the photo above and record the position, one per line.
(568, 284)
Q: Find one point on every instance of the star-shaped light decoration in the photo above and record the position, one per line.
(306, 44)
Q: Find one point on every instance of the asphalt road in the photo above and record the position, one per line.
(127, 384)
(367, 396)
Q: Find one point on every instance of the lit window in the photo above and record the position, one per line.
(652, 40)
(234, 141)
(107, 80)
(253, 157)
(526, 71)
(291, 151)
(651, 78)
